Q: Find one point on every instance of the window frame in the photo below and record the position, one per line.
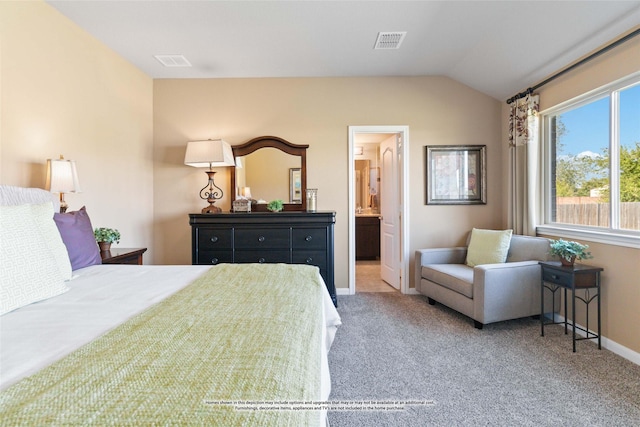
(609, 235)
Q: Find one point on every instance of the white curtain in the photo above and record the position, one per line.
(524, 149)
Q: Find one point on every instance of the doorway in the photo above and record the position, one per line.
(377, 192)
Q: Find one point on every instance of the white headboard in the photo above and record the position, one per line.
(10, 196)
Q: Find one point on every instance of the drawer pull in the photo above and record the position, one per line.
(261, 260)
(308, 238)
(261, 239)
(214, 260)
(214, 239)
(309, 260)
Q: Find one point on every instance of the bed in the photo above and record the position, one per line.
(233, 344)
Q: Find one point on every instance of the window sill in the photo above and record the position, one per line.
(629, 240)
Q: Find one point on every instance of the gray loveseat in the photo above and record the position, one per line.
(486, 293)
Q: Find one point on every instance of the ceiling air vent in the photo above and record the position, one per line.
(173, 60)
(389, 39)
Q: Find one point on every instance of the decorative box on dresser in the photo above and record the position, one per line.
(290, 237)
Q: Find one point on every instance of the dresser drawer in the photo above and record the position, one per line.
(557, 277)
(317, 258)
(257, 238)
(214, 238)
(309, 238)
(263, 256)
(215, 257)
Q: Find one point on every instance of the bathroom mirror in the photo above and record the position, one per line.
(367, 181)
(269, 168)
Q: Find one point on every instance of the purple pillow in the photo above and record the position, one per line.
(77, 235)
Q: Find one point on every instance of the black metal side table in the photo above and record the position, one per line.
(556, 276)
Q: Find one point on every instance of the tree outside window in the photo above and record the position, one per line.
(595, 154)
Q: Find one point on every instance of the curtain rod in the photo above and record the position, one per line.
(577, 64)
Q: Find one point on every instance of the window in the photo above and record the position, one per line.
(593, 161)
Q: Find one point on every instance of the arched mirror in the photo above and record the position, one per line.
(270, 168)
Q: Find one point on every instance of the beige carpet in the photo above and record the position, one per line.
(368, 278)
(394, 347)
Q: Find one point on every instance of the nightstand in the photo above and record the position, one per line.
(556, 276)
(123, 256)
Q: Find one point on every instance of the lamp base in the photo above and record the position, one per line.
(63, 204)
(211, 209)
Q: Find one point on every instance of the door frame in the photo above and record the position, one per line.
(403, 187)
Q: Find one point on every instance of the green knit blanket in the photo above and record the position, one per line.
(239, 333)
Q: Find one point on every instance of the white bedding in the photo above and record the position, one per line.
(100, 298)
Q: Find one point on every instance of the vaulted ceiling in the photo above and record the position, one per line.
(496, 47)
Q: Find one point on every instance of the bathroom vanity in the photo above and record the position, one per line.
(367, 236)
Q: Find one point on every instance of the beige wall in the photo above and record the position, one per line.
(63, 92)
(621, 286)
(318, 111)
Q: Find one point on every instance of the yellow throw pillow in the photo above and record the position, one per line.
(488, 246)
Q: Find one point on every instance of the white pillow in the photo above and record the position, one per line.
(43, 217)
(11, 196)
(29, 272)
(488, 246)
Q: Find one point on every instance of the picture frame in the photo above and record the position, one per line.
(456, 175)
(295, 185)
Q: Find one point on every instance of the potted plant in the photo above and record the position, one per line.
(275, 205)
(105, 237)
(569, 252)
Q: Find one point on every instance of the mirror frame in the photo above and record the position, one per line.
(282, 145)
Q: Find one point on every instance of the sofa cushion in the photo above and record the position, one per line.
(527, 248)
(457, 277)
(488, 246)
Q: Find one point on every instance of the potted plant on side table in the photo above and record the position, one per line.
(105, 237)
(569, 251)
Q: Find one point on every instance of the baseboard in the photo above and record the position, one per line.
(345, 291)
(619, 349)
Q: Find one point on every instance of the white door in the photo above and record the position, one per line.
(390, 212)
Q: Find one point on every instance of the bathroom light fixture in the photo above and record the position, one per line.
(209, 153)
(62, 177)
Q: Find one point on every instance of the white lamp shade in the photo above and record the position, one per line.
(62, 176)
(209, 153)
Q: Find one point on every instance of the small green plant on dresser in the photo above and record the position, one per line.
(275, 205)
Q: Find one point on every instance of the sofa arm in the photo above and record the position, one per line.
(455, 255)
(506, 291)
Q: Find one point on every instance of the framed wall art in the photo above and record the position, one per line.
(456, 174)
(295, 185)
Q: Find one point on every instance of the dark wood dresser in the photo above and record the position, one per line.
(266, 237)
